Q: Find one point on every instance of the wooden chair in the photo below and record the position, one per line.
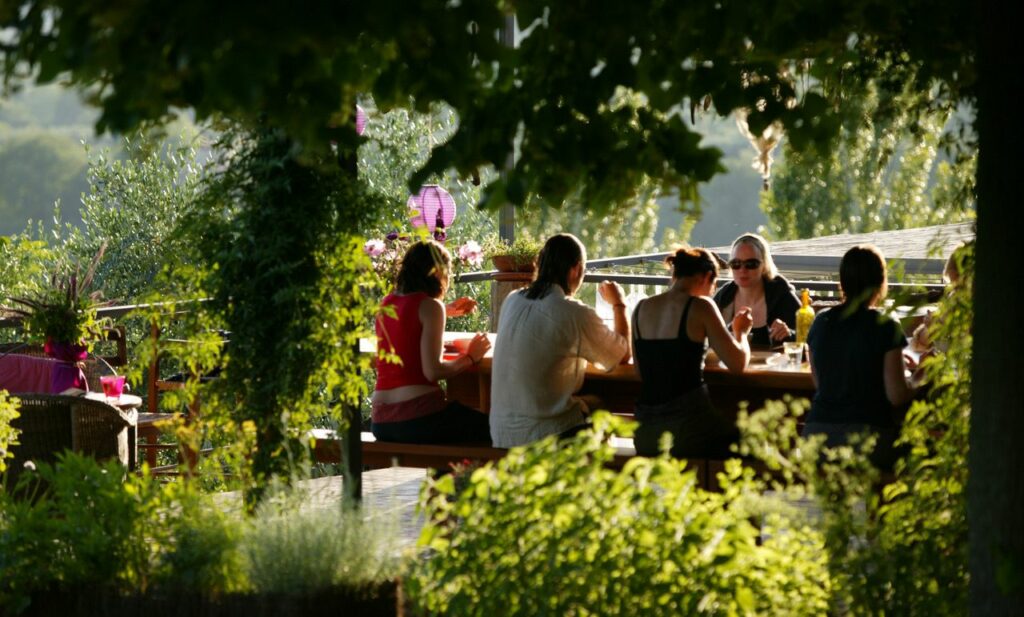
(53, 423)
(149, 422)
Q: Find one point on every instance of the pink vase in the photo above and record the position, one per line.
(67, 372)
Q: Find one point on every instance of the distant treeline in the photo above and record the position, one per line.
(43, 159)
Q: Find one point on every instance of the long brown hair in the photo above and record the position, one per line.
(561, 253)
(862, 276)
(424, 266)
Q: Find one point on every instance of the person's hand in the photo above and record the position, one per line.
(779, 331)
(916, 368)
(743, 322)
(459, 307)
(611, 292)
(478, 347)
(920, 340)
(910, 363)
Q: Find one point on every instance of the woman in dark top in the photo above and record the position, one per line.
(757, 284)
(856, 356)
(669, 331)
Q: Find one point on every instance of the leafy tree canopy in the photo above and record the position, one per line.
(588, 76)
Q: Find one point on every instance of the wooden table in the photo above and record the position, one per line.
(130, 403)
(620, 388)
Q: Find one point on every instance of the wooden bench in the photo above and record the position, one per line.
(380, 454)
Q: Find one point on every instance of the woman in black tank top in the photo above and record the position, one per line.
(669, 333)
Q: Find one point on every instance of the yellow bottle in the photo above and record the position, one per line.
(804, 318)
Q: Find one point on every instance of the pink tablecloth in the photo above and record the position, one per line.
(26, 373)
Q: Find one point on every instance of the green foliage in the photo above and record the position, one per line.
(25, 263)
(626, 229)
(550, 530)
(877, 176)
(523, 250)
(83, 525)
(88, 527)
(593, 98)
(286, 276)
(198, 548)
(64, 311)
(8, 434)
(37, 169)
(294, 550)
(398, 143)
(900, 549)
(135, 206)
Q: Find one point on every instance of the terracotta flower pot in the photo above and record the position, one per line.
(507, 263)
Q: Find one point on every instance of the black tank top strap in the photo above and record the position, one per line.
(682, 320)
(635, 320)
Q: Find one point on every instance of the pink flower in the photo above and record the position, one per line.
(471, 253)
(374, 248)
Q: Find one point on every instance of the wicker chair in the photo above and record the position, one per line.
(52, 423)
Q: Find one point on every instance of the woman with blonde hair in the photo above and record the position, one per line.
(756, 283)
(669, 334)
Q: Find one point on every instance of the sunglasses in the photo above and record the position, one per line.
(747, 264)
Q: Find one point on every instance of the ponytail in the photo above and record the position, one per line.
(561, 253)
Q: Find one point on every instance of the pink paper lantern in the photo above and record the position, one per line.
(360, 120)
(432, 207)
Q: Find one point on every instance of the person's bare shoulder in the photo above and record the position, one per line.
(703, 305)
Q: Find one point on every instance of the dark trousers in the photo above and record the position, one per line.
(698, 429)
(883, 456)
(455, 423)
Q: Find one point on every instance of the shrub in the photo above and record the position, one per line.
(8, 434)
(900, 549)
(79, 525)
(296, 551)
(86, 528)
(550, 530)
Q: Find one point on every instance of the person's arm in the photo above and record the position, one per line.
(431, 345)
(731, 347)
(814, 373)
(459, 307)
(613, 294)
(897, 389)
(782, 311)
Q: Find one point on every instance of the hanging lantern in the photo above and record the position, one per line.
(360, 120)
(432, 208)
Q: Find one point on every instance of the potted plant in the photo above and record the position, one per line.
(62, 316)
(520, 256)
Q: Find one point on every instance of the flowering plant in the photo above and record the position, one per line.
(65, 311)
(386, 255)
(462, 473)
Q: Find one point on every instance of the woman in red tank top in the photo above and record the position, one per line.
(408, 404)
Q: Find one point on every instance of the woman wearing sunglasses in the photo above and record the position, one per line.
(758, 285)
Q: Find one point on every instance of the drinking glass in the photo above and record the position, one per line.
(794, 354)
(113, 386)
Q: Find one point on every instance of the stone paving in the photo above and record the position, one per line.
(389, 497)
